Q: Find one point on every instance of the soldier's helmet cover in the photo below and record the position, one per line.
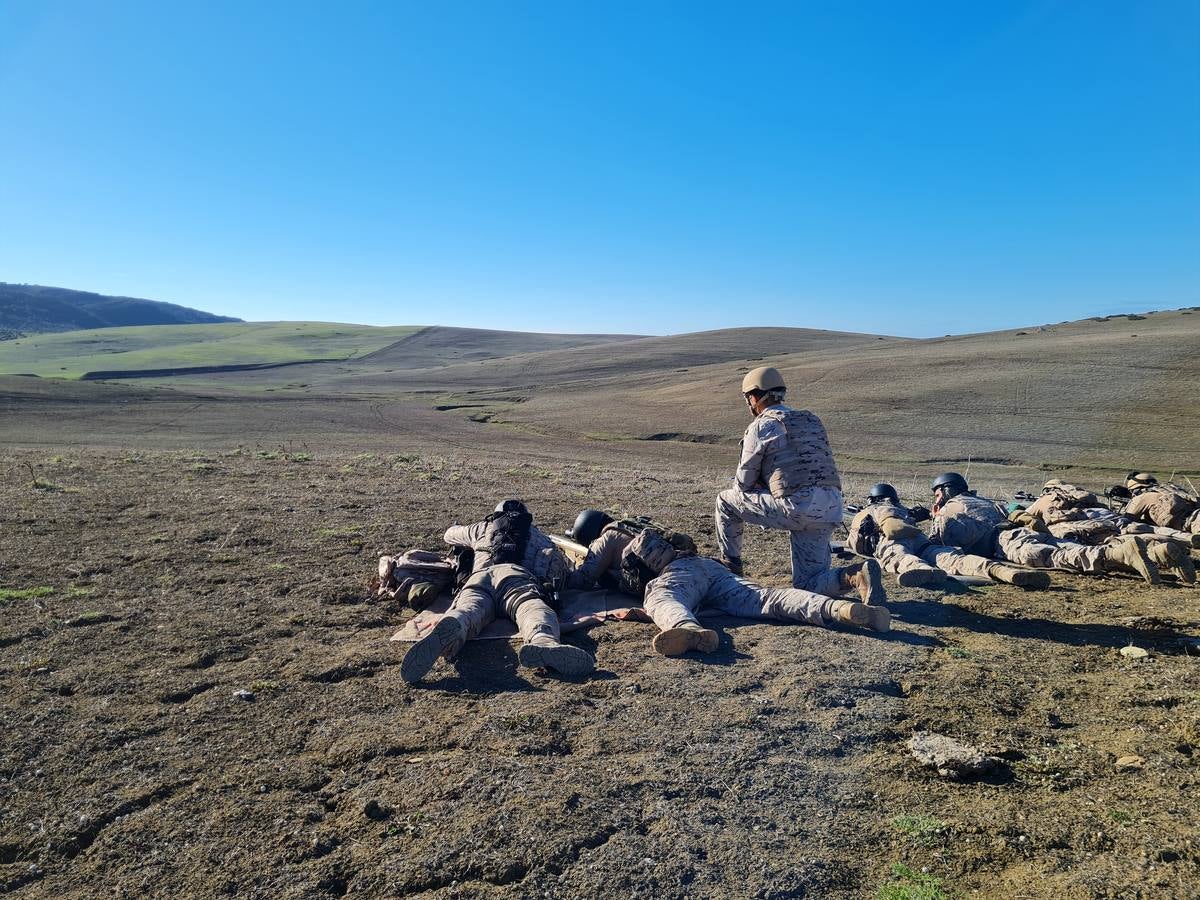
(764, 378)
(1140, 480)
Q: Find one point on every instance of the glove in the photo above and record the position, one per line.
(920, 513)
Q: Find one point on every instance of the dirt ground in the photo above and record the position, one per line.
(143, 588)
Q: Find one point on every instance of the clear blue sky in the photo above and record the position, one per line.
(908, 168)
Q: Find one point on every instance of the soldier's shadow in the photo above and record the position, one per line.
(940, 614)
(491, 666)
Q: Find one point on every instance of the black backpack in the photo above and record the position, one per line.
(506, 537)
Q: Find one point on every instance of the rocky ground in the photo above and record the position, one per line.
(142, 591)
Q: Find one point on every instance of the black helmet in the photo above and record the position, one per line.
(517, 506)
(588, 525)
(951, 481)
(883, 491)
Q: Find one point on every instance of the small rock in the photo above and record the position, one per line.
(1130, 763)
(243, 694)
(1132, 652)
(951, 758)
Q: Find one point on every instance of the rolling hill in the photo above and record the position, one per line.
(1105, 395)
(33, 309)
(172, 351)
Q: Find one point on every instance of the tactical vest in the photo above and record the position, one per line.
(803, 459)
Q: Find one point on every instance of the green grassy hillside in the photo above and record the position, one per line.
(72, 354)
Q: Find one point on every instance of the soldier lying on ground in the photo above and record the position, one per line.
(981, 526)
(787, 479)
(513, 563)
(678, 585)
(888, 531)
(610, 563)
(1165, 505)
(1074, 514)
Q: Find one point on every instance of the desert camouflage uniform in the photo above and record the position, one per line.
(1166, 505)
(511, 591)
(1061, 502)
(1074, 514)
(981, 526)
(603, 557)
(542, 558)
(903, 547)
(786, 479)
(694, 581)
(504, 591)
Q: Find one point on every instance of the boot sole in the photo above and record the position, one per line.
(562, 658)
(1186, 570)
(1034, 581)
(678, 641)
(424, 653)
(875, 592)
(1145, 565)
(864, 615)
(921, 578)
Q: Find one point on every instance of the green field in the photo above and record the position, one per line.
(72, 354)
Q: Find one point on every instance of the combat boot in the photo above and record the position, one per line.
(447, 635)
(1030, 579)
(688, 636)
(543, 652)
(1174, 556)
(923, 577)
(862, 615)
(866, 581)
(1130, 554)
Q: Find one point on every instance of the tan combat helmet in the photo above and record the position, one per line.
(1140, 481)
(764, 378)
(1053, 483)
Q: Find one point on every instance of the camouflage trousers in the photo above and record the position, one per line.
(1039, 550)
(1099, 531)
(694, 581)
(810, 515)
(916, 552)
(509, 592)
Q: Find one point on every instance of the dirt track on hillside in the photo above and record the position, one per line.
(774, 768)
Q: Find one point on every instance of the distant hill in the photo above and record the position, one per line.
(34, 309)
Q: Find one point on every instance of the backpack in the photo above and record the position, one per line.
(415, 578)
(634, 526)
(506, 537)
(652, 549)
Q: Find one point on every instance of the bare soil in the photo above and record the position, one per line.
(157, 583)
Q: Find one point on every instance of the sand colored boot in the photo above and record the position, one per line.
(543, 652)
(927, 577)
(447, 635)
(861, 615)
(1031, 579)
(866, 581)
(1130, 555)
(1175, 557)
(688, 636)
